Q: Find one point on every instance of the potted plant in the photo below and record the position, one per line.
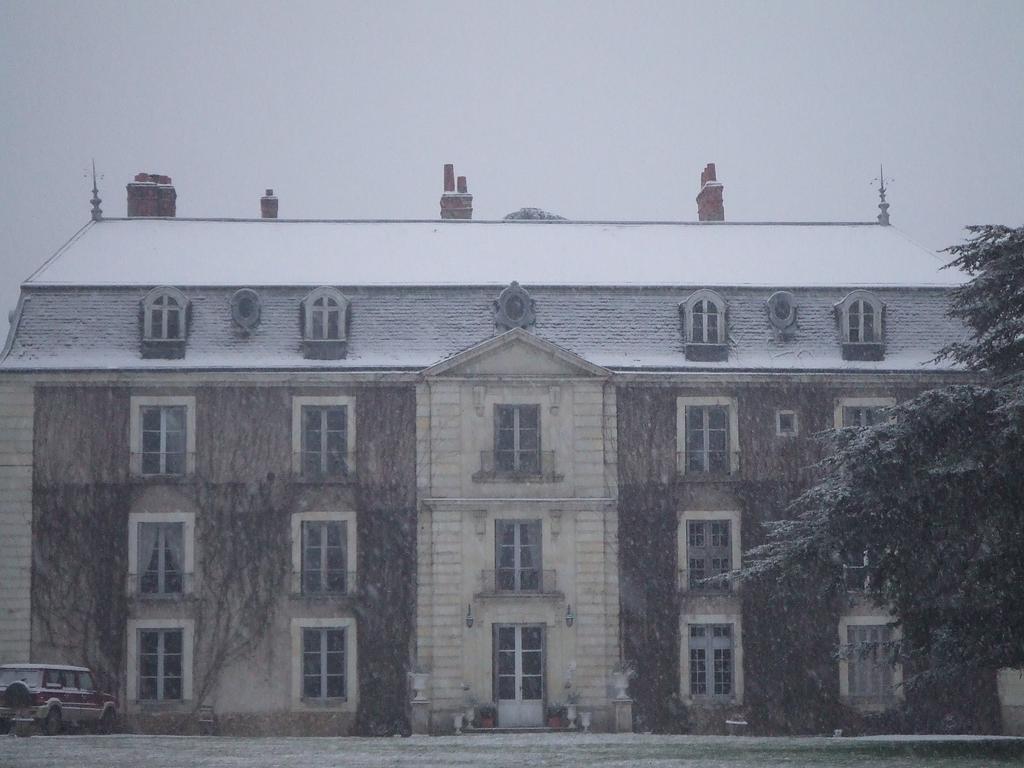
(418, 678)
(621, 674)
(556, 716)
(488, 715)
(572, 700)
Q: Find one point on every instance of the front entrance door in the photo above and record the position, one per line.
(519, 674)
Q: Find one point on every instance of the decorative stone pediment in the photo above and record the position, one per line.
(516, 353)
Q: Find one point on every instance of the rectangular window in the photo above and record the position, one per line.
(325, 441)
(323, 663)
(324, 547)
(517, 439)
(160, 668)
(711, 660)
(517, 555)
(707, 439)
(709, 552)
(164, 440)
(161, 558)
(870, 673)
(863, 415)
(786, 424)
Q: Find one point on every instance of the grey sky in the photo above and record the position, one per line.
(592, 110)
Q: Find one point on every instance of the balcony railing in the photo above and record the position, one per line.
(340, 584)
(855, 578)
(176, 465)
(535, 466)
(147, 586)
(721, 465)
(512, 582)
(703, 583)
(309, 467)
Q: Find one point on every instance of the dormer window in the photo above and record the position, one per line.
(704, 326)
(860, 316)
(325, 316)
(164, 323)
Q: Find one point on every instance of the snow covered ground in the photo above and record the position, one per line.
(547, 750)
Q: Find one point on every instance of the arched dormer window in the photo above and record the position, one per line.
(164, 323)
(324, 320)
(860, 320)
(704, 326)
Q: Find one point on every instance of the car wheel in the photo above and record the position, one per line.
(106, 722)
(53, 724)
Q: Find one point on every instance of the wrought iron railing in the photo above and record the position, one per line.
(310, 467)
(522, 466)
(521, 581)
(704, 582)
(714, 465)
(150, 586)
(317, 584)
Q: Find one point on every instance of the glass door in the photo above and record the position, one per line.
(519, 674)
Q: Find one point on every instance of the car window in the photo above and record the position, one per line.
(85, 681)
(65, 678)
(30, 677)
(52, 677)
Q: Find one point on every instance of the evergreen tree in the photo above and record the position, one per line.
(933, 500)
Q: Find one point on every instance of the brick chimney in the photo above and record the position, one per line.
(456, 202)
(709, 200)
(153, 195)
(268, 205)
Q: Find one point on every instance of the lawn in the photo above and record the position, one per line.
(548, 750)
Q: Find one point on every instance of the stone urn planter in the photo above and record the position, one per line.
(419, 684)
(620, 684)
(585, 718)
(457, 718)
(570, 714)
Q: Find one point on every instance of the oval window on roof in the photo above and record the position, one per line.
(782, 310)
(245, 308)
(514, 308)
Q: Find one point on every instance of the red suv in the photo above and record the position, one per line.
(53, 695)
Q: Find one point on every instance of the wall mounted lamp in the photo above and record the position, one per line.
(469, 616)
(569, 617)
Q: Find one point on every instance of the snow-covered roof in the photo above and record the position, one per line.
(421, 291)
(276, 252)
(415, 327)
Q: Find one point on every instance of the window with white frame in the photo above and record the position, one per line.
(160, 664)
(160, 660)
(707, 435)
(325, 311)
(323, 437)
(708, 546)
(860, 315)
(324, 557)
(704, 318)
(517, 439)
(164, 316)
(162, 433)
(517, 555)
(160, 553)
(862, 411)
(708, 553)
(787, 424)
(711, 658)
(868, 677)
(324, 662)
(323, 553)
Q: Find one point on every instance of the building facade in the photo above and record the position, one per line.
(282, 468)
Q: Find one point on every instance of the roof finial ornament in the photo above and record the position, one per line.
(883, 207)
(97, 212)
